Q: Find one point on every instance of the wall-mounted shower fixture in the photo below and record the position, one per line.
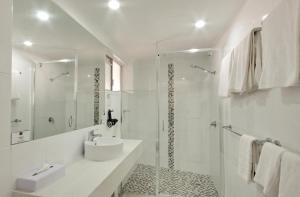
(51, 120)
(203, 69)
(59, 76)
(213, 124)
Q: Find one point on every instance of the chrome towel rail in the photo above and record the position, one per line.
(229, 128)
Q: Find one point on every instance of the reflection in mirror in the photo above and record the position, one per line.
(54, 109)
(90, 95)
(58, 72)
(113, 112)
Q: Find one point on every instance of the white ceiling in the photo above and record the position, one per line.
(133, 29)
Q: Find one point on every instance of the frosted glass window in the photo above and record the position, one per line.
(116, 77)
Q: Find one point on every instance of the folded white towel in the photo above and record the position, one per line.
(255, 66)
(246, 158)
(240, 66)
(281, 46)
(246, 66)
(289, 175)
(225, 75)
(268, 169)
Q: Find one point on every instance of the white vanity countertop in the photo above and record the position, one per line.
(87, 178)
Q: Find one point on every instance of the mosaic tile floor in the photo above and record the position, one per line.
(172, 182)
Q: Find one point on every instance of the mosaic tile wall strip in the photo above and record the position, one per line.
(172, 182)
(97, 96)
(171, 108)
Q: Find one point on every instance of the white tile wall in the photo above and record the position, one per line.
(5, 36)
(5, 110)
(5, 172)
(5, 70)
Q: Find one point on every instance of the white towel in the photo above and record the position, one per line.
(225, 75)
(240, 66)
(255, 66)
(281, 46)
(246, 66)
(268, 169)
(246, 156)
(289, 176)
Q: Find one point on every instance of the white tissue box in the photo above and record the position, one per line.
(31, 181)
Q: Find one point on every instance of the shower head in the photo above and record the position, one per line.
(203, 69)
(59, 76)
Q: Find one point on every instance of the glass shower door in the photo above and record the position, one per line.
(186, 82)
(139, 121)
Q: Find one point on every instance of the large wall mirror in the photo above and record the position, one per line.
(58, 73)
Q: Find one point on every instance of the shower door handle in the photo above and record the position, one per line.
(163, 125)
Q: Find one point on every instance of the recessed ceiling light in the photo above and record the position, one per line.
(65, 60)
(28, 43)
(114, 4)
(200, 24)
(42, 16)
(193, 50)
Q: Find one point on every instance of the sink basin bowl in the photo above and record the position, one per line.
(103, 149)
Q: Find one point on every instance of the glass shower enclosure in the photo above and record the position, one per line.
(186, 111)
(182, 150)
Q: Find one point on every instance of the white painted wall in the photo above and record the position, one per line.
(271, 113)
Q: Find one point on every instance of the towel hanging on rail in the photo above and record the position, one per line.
(289, 175)
(281, 46)
(268, 169)
(247, 158)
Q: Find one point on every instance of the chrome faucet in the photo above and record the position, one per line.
(92, 135)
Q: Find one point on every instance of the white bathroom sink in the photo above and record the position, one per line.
(103, 148)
